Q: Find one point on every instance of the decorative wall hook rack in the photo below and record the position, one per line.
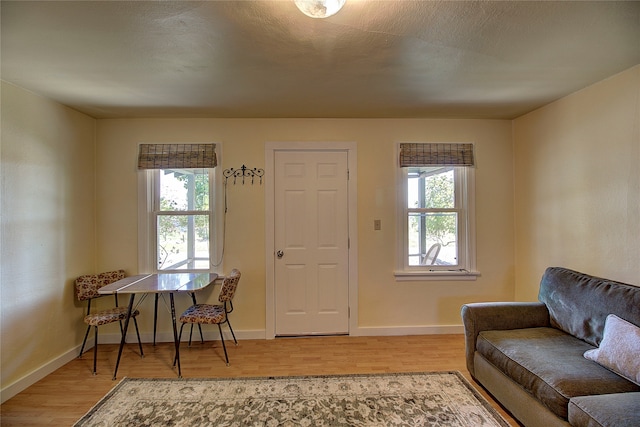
(243, 172)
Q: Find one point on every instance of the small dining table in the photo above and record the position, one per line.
(158, 283)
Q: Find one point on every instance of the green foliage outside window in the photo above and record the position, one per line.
(181, 236)
(439, 193)
(432, 214)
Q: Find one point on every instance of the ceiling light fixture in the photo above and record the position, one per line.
(319, 8)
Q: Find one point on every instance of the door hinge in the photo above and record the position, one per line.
(347, 174)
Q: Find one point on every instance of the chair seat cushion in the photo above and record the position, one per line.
(110, 315)
(203, 313)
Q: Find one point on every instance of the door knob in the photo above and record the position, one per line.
(280, 254)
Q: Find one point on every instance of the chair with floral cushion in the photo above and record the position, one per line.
(215, 314)
(87, 290)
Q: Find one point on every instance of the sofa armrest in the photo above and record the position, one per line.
(491, 316)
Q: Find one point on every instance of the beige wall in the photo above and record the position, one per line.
(69, 207)
(383, 302)
(577, 180)
(47, 210)
(577, 189)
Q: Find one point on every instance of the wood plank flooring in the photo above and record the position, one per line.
(67, 394)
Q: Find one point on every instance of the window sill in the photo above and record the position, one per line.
(405, 276)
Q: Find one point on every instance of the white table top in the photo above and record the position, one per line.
(161, 282)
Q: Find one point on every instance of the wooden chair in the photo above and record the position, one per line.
(215, 314)
(87, 290)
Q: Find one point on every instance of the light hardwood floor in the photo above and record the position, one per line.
(67, 394)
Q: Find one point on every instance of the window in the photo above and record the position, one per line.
(177, 221)
(436, 218)
(182, 217)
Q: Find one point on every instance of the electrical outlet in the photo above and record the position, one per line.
(377, 225)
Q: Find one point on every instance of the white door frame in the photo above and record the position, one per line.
(269, 194)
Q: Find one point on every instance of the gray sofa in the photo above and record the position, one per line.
(530, 356)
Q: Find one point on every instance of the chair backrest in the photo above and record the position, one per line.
(229, 286)
(87, 285)
(432, 254)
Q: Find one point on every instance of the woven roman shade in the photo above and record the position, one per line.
(177, 156)
(435, 154)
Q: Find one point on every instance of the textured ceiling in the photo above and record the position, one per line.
(266, 59)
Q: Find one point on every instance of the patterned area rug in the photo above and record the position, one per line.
(416, 399)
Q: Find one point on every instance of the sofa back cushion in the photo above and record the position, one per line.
(579, 303)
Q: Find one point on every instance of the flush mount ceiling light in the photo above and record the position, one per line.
(319, 8)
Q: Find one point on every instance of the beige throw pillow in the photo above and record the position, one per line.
(619, 350)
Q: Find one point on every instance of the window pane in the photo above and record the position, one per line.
(427, 229)
(184, 190)
(183, 242)
(431, 188)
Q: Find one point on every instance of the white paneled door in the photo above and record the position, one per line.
(311, 239)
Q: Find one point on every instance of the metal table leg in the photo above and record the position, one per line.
(124, 333)
(175, 334)
(193, 298)
(155, 318)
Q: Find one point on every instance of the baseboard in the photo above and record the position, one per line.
(38, 374)
(407, 330)
(209, 335)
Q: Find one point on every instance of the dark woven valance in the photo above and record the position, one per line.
(436, 154)
(177, 156)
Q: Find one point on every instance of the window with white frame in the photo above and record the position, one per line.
(436, 211)
(176, 207)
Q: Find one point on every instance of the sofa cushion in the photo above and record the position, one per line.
(549, 364)
(619, 349)
(579, 303)
(611, 410)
